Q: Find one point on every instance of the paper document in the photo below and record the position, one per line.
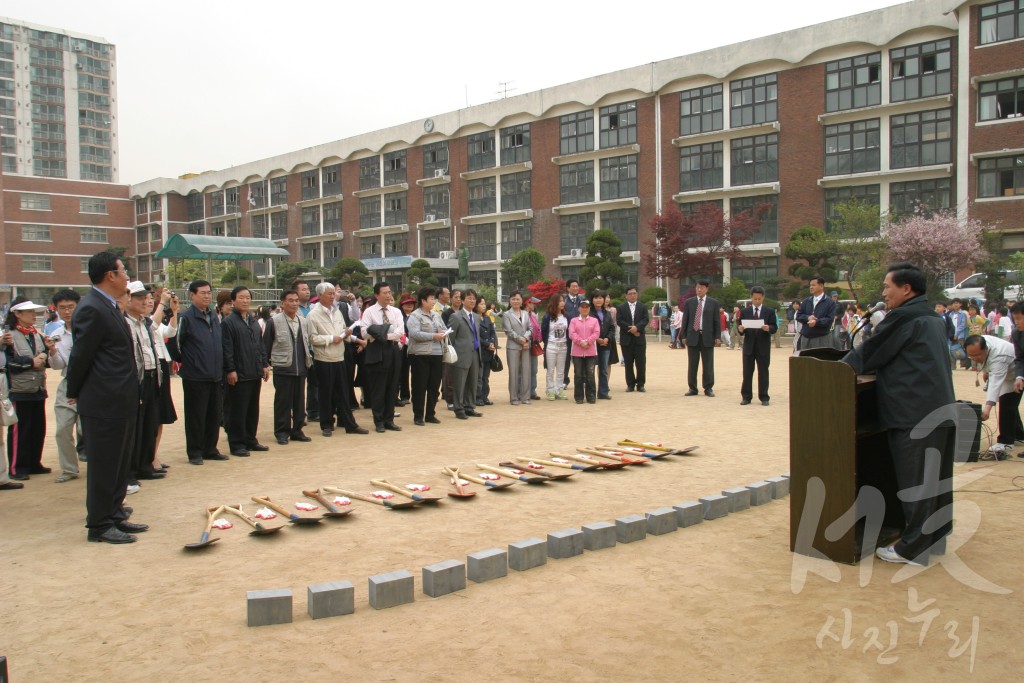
(752, 324)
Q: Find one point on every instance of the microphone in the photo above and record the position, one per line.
(880, 306)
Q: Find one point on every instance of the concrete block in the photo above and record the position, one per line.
(391, 589)
(780, 487)
(739, 498)
(714, 507)
(760, 492)
(785, 475)
(598, 535)
(523, 555)
(263, 608)
(486, 565)
(565, 543)
(631, 528)
(333, 599)
(662, 521)
(689, 513)
(444, 578)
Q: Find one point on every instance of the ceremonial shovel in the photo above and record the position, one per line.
(613, 456)
(329, 509)
(491, 485)
(626, 450)
(281, 510)
(591, 461)
(523, 464)
(370, 499)
(257, 528)
(658, 447)
(460, 490)
(506, 473)
(205, 540)
(563, 465)
(385, 484)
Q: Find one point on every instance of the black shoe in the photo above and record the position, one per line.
(216, 456)
(131, 527)
(152, 475)
(326, 432)
(606, 397)
(691, 392)
(745, 402)
(313, 418)
(301, 437)
(165, 467)
(480, 404)
(401, 402)
(11, 485)
(591, 400)
(17, 477)
(630, 390)
(710, 393)
(461, 415)
(112, 535)
(641, 389)
(195, 461)
(433, 420)
(579, 401)
(473, 413)
(764, 403)
(282, 440)
(40, 470)
(380, 429)
(259, 448)
(535, 397)
(127, 510)
(418, 422)
(357, 430)
(391, 426)
(82, 458)
(239, 453)
(354, 406)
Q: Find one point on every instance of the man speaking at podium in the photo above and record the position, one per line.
(910, 356)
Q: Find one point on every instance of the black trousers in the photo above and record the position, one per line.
(148, 421)
(350, 374)
(762, 361)
(1009, 416)
(289, 404)
(244, 418)
(403, 376)
(202, 417)
(568, 355)
(483, 381)
(705, 356)
(109, 445)
(426, 380)
(333, 395)
(929, 519)
(312, 397)
(635, 358)
(25, 439)
(382, 381)
(583, 371)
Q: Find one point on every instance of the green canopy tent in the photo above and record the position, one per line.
(208, 247)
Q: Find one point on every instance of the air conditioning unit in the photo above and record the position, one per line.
(576, 253)
(446, 255)
(439, 173)
(431, 217)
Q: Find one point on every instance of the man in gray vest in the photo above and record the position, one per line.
(288, 347)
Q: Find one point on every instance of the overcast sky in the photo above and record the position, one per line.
(212, 84)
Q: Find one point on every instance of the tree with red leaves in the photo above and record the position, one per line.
(545, 289)
(695, 244)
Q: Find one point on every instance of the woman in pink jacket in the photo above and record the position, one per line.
(584, 331)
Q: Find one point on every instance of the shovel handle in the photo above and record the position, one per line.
(353, 494)
(459, 488)
(237, 511)
(211, 516)
(279, 509)
(468, 477)
(642, 444)
(620, 458)
(498, 470)
(619, 449)
(315, 495)
(546, 463)
(385, 484)
(576, 458)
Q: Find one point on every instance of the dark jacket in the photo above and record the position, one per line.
(757, 342)
(607, 331)
(711, 324)
(488, 335)
(242, 341)
(625, 321)
(202, 351)
(825, 312)
(102, 373)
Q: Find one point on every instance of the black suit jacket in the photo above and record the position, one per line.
(624, 321)
(824, 312)
(102, 373)
(757, 342)
(711, 326)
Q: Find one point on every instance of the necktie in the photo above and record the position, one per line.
(476, 341)
(700, 313)
(384, 312)
(757, 312)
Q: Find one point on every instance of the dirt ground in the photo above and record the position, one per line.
(723, 600)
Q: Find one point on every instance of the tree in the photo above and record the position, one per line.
(651, 294)
(729, 294)
(236, 274)
(194, 269)
(773, 286)
(697, 243)
(525, 266)
(545, 289)
(856, 238)
(288, 272)
(816, 249)
(352, 274)
(937, 243)
(420, 274)
(603, 268)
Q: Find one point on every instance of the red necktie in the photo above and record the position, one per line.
(700, 312)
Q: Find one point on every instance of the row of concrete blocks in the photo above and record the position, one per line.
(396, 588)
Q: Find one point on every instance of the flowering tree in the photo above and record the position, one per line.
(936, 243)
(545, 289)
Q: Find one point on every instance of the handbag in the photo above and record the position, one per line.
(448, 353)
(8, 414)
(956, 351)
(496, 364)
(536, 348)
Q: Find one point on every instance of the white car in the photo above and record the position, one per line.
(973, 288)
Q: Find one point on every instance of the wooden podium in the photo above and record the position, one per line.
(834, 435)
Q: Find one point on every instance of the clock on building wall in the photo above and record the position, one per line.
(428, 125)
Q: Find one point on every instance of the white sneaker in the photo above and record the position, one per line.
(1000, 451)
(132, 488)
(889, 554)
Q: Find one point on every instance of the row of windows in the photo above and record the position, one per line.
(1001, 21)
(43, 233)
(41, 202)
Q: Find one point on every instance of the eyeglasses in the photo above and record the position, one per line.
(121, 271)
(66, 307)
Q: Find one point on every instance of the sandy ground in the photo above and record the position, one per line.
(719, 601)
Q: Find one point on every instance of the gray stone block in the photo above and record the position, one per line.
(523, 555)
(391, 589)
(333, 599)
(780, 487)
(760, 492)
(689, 513)
(631, 528)
(486, 565)
(444, 578)
(662, 521)
(598, 535)
(714, 506)
(565, 543)
(785, 475)
(263, 608)
(739, 498)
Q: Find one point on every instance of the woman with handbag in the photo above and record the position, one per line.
(516, 323)
(555, 331)
(488, 344)
(7, 414)
(426, 331)
(26, 373)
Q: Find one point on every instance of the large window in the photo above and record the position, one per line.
(834, 196)
(369, 212)
(257, 195)
(369, 173)
(92, 235)
(35, 233)
(332, 253)
(194, 206)
(920, 71)
(52, 168)
(758, 272)
(258, 222)
(92, 205)
(1001, 21)
(854, 82)
(396, 244)
(515, 144)
(921, 139)
(1001, 177)
(311, 252)
(309, 181)
(217, 203)
(515, 191)
(395, 209)
(700, 167)
(330, 180)
(624, 223)
(436, 241)
(35, 202)
(1002, 99)
(279, 191)
(394, 167)
(482, 242)
(920, 195)
(576, 132)
(310, 221)
(481, 150)
(481, 196)
(279, 225)
(755, 159)
(575, 229)
(754, 100)
(852, 147)
(618, 177)
(230, 201)
(618, 125)
(435, 158)
(369, 247)
(577, 183)
(436, 202)
(769, 217)
(332, 217)
(700, 110)
(36, 264)
(515, 236)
